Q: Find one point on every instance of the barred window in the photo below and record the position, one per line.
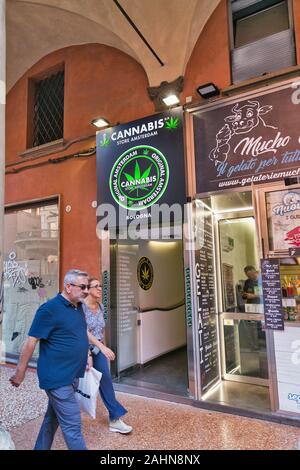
(48, 116)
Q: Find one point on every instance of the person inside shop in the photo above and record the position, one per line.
(101, 354)
(60, 328)
(251, 292)
(250, 331)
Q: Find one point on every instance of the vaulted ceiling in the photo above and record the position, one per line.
(171, 28)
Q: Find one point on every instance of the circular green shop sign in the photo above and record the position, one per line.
(139, 177)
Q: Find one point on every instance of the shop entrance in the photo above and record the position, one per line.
(243, 349)
(147, 322)
(241, 321)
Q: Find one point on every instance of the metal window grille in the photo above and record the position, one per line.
(49, 109)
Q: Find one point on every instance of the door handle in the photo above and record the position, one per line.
(263, 247)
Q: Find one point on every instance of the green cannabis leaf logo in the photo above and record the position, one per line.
(105, 142)
(172, 123)
(146, 172)
(137, 176)
(137, 171)
(129, 177)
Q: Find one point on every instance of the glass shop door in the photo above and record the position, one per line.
(239, 296)
(241, 318)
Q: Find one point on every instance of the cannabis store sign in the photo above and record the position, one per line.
(139, 177)
(141, 163)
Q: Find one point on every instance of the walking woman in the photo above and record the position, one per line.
(93, 310)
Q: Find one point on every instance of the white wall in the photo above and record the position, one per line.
(161, 331)
(162, 320)
(168, 283)
(287, 353)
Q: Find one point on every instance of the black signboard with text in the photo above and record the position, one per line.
(141, 164)
(272, 294)
(248, 141)
(206, 307)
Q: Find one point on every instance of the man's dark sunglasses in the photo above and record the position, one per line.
(82, 286)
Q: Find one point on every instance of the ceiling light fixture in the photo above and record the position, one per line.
(171, 100)
(100, 123)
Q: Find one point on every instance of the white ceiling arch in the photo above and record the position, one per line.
(36, 28)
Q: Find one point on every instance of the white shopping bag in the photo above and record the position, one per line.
(87, 391)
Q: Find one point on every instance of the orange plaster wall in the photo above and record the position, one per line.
(75, 181)
(99, 80)
(210, 59)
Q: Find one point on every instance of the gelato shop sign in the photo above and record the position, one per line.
(290, 203)
(253, 140)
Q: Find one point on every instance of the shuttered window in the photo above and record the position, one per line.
(262, 38)
(261, 24)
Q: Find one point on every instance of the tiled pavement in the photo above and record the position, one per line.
(157, 424)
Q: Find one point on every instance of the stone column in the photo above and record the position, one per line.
(2, 147)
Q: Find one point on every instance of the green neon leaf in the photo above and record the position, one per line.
(137, 171)
(105, 142)
(146, 172)
(129, 177)
(172, 123)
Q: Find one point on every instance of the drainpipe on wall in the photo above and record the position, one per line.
(5, 439)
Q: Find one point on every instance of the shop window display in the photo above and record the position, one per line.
(31, 251)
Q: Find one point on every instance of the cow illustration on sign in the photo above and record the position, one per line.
(243, 120)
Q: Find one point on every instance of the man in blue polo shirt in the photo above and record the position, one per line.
(60, 328)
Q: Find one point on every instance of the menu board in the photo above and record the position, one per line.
(127, 310)
(270, 271)
(105, 294)
(206, 306)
